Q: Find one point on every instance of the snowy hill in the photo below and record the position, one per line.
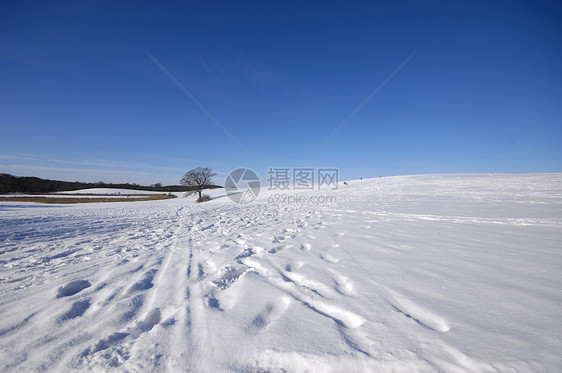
(409, 273)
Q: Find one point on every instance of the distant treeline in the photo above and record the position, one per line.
(16, 184)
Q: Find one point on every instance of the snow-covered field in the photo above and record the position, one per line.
(88, 193)
(415, 273)
(81, 195)
(106, 191)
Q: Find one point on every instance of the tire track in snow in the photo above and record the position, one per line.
(153, 304)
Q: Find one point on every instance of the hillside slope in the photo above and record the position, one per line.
(414, 273)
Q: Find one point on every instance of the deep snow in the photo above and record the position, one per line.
(411, 273)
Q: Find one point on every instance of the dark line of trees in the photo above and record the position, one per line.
(16, 184)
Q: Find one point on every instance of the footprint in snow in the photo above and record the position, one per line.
(169, 322)
(279, 248)
(329, 258)
(213, 303)
(78, 308)
(228, 275)
(112, 348)
(268, 314)
(279, 239)
(305, 247)
(104, 343)
(293, 266)
(245, 253)
(342, 284)
(151, 319)
(144, 284)
(72, 288)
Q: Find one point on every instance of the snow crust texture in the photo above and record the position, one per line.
(434, 273)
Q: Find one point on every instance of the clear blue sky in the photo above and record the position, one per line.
(81, 98)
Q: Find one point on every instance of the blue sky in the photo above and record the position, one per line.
(82, 99)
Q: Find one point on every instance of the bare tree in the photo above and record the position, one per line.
(197, 179)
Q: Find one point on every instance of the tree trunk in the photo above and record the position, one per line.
(199, 193)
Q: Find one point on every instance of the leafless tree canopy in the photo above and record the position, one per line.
(197, 179)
